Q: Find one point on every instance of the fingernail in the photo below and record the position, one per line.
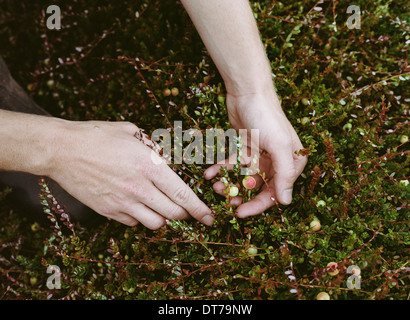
(208, 220)
(287, 196)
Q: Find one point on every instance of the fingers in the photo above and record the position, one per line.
(146, 216)
(126, 219)
(213, 170)
(181, 194)
(161, 204)
(249, 158)
(153, 212)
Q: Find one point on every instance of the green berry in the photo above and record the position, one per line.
(174, 91)
(404, 183)
(233, 191)
(404, 138)
(35, 227)
(304, 120)
(252, 251)
(315, 225)
(33, 281)
(320, 203)
(305, 101)
(347, 126)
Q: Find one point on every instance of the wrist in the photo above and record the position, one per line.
(266, 97)
(249, 86)
(28, 142)
(45, 145)
(57, 137)
(255, 78)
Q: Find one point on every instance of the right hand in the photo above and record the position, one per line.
(277, 138)
(104, 166)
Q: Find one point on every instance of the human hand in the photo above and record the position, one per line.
(104, 166)
(278, 141)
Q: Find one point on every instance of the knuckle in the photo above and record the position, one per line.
(199, 212)
(181, 195)
(134, 190)
(150, 170)
(176, 213)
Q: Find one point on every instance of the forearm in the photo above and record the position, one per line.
(27, 142)
(229, 31)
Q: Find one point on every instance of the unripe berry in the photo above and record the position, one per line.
(404, 138)
(304, 120)
(174, 91)
(333, 270)
(167, 92)
(33, 281)
(323, 296)
(347, 126)
(249, 182)
(305, 101)
(315, 225)
(252, 251)
(320, 203)
(35, 227)
(404, 183)
(233, 191)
